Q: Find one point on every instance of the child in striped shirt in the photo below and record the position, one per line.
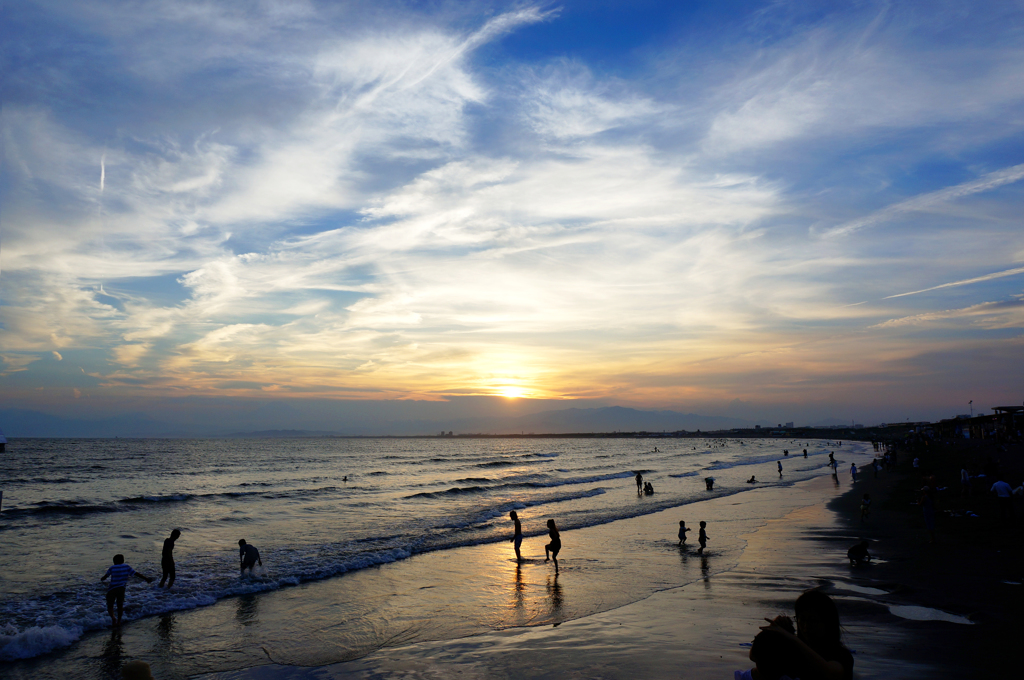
(119, 574)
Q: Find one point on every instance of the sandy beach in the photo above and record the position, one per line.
(626, 601)
(891, 620)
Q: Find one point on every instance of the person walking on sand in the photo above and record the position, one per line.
(167, 560)
(517, 537)
(119, 573)
(779, 463)
(853, 472)
(639, 484)
(682, 532)
(248, 555)
(552, 548)
(702, 538)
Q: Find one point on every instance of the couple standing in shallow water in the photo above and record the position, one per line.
(550, 550)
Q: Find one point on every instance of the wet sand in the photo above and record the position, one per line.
(701, 629)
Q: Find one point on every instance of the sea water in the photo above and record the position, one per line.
(317, 508)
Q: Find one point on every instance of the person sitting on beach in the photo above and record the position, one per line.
(752, 480)
(859, 554)
(709, 483)
(682, 531)
(119, 573)
(248, 555)
(775, 657)
(865, 507)
(648, 488)
(167, 560)
(552, 548)
(821, 654)
(517, 537)
(702, 538)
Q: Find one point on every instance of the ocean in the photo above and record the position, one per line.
(328, 516)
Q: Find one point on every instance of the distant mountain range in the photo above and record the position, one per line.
(25, 423)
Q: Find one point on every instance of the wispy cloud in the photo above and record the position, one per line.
(931, 200)
(964, 282)
(331, 200)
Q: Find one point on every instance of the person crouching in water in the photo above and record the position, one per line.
(554, 546)
(248, 555)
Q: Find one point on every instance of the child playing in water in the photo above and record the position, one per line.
(119, 574)
(517, 537)
(682, 532)
(865, 507)
(702, 538)
(555, 545)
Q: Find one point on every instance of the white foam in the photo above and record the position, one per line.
(25, 644)
(865, 590)
(916, 613)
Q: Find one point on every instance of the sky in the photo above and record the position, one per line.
(793, 210)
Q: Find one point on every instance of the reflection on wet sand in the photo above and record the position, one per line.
(247, 611)
(113, 651)
(555, 593)
(518, 589)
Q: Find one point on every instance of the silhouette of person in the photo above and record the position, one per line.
(682, 531)
(248, 555)
(702, 538)
(552, 548)
(136, 670)
(639, 483)
(119, 573)
(819, 652)
(779, 463)
(167, 560)
(859, 554)
(517, 536)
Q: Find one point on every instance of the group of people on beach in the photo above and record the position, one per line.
(119, 573)
(551, 550)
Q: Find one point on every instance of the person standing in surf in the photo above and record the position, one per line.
(119, 573)
(554, 546)
(702, 538)
(517, 537)
(167, 560)
(639, 484)
(248, 555)
(682, 531)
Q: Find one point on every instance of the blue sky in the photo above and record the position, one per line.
(750, 209)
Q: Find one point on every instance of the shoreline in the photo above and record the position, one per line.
(670, 630)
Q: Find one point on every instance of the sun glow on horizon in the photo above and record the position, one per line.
(513, 392)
